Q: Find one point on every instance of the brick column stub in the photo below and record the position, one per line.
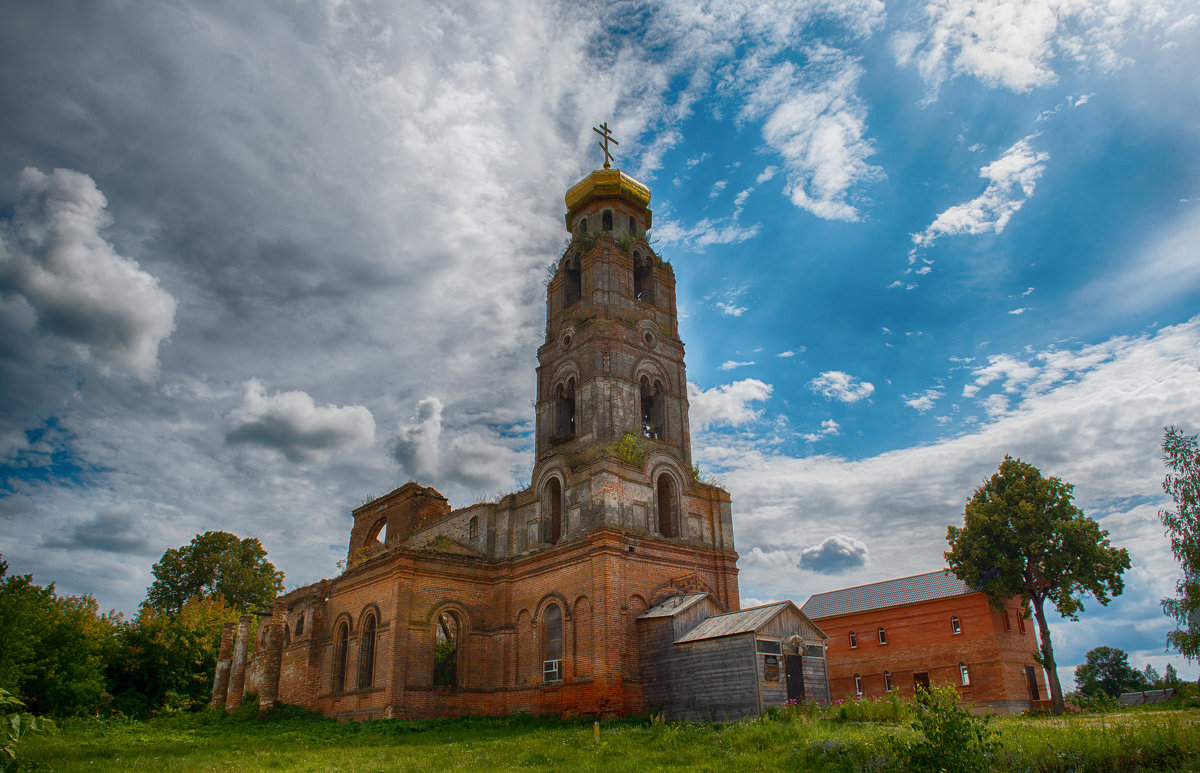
(224, 661)
(237, 676)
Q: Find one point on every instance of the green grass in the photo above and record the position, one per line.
(792, 740)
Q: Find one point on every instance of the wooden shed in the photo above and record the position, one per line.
(702, 662)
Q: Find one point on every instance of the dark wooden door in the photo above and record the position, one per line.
(794, 672)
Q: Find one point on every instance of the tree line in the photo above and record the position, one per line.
(62, 656)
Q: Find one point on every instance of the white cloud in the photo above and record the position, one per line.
(704, 233)
(727, 403)
(474, 459)
(1012, 44)
(734, 364)
(717, 187)
(815, 120)
(766, 174)
(788, 353)
(293, 424)
(829, 428)
(53, 257)
(836, 385)
(1018, 311)
(923, 401)
(1012, 179)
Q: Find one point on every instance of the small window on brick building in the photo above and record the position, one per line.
(887, 681)
(581, 226)
(366, 648)
(1007, 621)
(853, 640)
(1021, 622)
(300, 625)
(606, 220)
(882, 636)
(964, 673)
(552, 645)
(473, 527)
(857, 684)
(632, 225)
(341, 642)
(955, 627)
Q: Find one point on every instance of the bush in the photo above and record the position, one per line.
(950, 739)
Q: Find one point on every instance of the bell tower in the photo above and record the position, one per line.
(613, 445)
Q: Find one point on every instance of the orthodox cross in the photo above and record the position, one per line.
(606, 133)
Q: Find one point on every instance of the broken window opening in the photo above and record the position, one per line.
(581, 226)
(445, 650)
(643, 278)
(653, 425)
(366, 666)
(632, 225)
(552, 645)
(341, 643)
(554, 494)
(565, 409)
(378, 533)
(473, 527)
(606, 220)
(572, 283)
(300, 625)
(666, 505)
(965, 674)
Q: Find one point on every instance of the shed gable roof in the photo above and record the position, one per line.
(889, 593)
(745, 621)
(675, 605)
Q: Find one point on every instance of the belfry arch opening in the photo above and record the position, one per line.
(554, 497)
(643, 278)
(564, 409)
(666, 505)
(653, 421)
(572, 282)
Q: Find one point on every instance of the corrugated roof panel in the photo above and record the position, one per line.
(673, 605)
(734, 622)
(889, 593)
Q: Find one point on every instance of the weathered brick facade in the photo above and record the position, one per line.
(933, 627)
(536, 594)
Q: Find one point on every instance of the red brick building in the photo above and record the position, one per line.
(528, 603)
(929, 629)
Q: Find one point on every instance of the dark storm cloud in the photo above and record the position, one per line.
(835, 554)
(111, 531)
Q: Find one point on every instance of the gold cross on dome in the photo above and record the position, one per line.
(606, 133)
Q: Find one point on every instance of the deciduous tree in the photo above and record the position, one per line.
(1181, 453)
(1107, 669)
(1022, 535)
(215, 563)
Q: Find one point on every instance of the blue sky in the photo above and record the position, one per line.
(261, 262)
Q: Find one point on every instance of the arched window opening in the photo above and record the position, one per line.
(653, 425)
(341, 643)
(366, 663)
(853, 640)
(882, 636)
(565, 409)
(473, 527)
(572, 284)
(552, 645)
(955, 625)
(643, 278)
(581, 226)
(300, 625)
(964, 673)
(378, 533)
(666, 505)
(857, 684)
(445, 650)
(632, 225)
(554, 527)
(887, 681)
(607, 220)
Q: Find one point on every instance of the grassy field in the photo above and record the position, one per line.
(1168, 740)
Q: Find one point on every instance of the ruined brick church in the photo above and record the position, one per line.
(607, 586)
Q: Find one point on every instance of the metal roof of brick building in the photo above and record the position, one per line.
(889, 593)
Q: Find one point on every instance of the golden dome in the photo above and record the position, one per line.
(608, 183)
